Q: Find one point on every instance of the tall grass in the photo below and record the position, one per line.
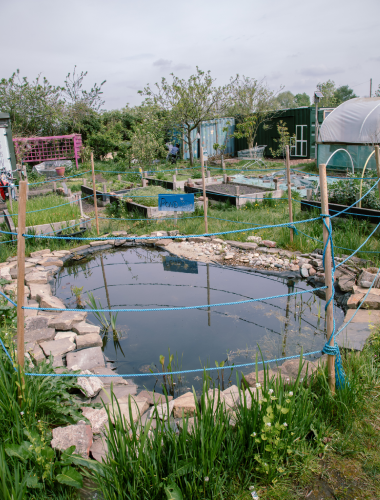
(219, 452)
(44, 211)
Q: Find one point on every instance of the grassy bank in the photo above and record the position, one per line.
(314, 441)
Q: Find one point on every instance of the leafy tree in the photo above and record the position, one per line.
(286, 100)
(147, 139)
(377, 93)
(186, 103)
(302, 99)
(255, 103)
(35, 107)
(328, 90)
(344, 93)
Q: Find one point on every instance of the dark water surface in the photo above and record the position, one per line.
(141, 278)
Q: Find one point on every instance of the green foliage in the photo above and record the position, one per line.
(344, 93)
(283, 141)
(344, 192)
(302, 99)
(332, 96)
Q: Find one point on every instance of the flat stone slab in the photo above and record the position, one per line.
(119, 391)
(372, 301)
(39, 289)
(89, 340)
(86, 359)
(362, 316)
(107, 381)
(38, 354)
(84, 328)
(79, 435)
(67, 319)
(98, 418)
(57, 347)
(50, 302)
(66, 335)
(40, 253)
(39, 335)
(51, 262)
(354, 335)
(13, 288)
(184, 405)
(36, 277)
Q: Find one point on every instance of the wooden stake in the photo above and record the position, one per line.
(377, 158)
(328, 274)
(94, 190)
(204, 191)
(289, 191)
(21, 272)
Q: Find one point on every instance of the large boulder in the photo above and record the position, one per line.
(184, 405)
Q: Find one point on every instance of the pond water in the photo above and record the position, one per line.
(139, 277)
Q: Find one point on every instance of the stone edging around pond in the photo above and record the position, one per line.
(67, 334)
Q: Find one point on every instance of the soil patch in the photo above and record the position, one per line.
(231, 188)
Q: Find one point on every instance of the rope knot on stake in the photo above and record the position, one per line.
(332, 350)
(293, 227)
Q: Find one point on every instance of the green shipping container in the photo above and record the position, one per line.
(300, 123)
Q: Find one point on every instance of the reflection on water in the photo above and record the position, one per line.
(139, 278)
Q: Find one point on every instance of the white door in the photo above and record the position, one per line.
(301, 142)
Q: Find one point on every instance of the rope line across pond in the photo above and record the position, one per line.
(327, 349)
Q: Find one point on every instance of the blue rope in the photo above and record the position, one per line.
(58, 179)
(285, 224)
(10, 300)
(185, 308)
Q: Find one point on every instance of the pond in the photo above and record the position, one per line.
(144, 278)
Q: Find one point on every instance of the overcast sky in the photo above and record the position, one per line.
(297, 43)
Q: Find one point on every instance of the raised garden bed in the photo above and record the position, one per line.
(178, 184)
(100, 195)
(227, 192)
(372, 216)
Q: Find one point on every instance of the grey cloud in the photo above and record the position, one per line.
(167, 64)
(320, 70)
(138, 57)
(163, 63)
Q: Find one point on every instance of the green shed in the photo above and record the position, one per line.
(300, 123)
(7, 152)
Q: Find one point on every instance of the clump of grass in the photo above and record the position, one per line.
(44, 213)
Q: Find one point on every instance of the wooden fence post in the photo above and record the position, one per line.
(21, 272)
(289, 191)
(204, 191)
(328, 273)
(94, 190)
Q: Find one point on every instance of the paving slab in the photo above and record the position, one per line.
(57, 347)
(39, 278)
(40, 253)
(154, 397)
(39, 289)
(354, 336)
(362, 316)
(50, 302)
(66, 335)
(107, 381)
(67, 319)
(119, 391)
(89, 340)
(83, 328)
(39, 335)
(86, 359)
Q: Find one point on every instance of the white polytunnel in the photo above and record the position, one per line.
(348, 134)
(356, 121)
